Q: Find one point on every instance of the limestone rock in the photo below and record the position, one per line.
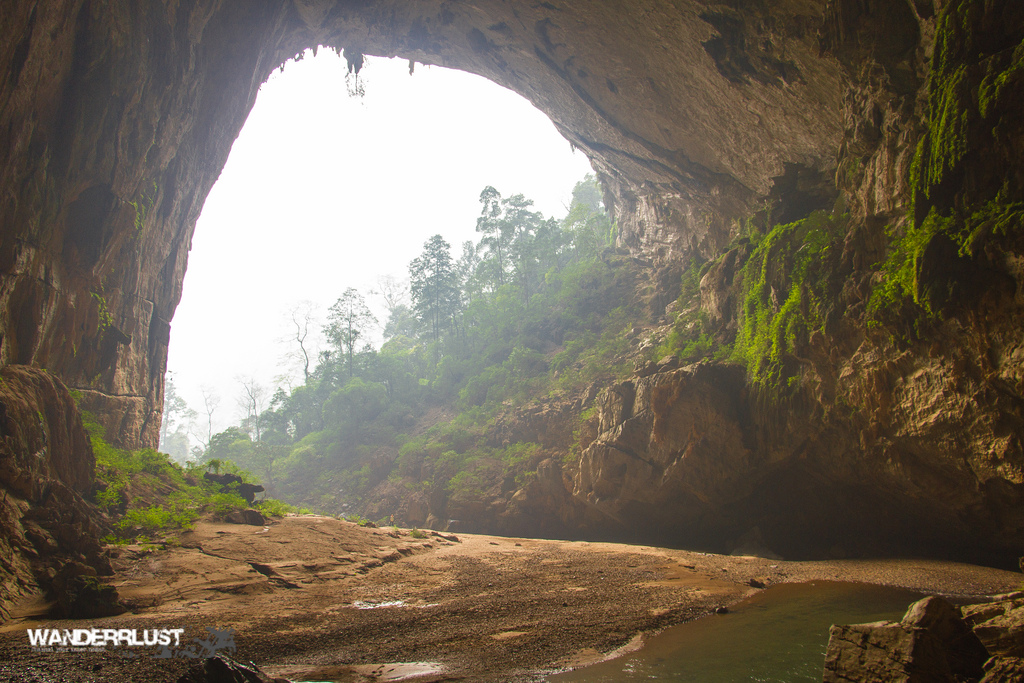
(224, 669)
(929, 645)
(999, 625)
(232, 483)
(50, 532)
(116, 122)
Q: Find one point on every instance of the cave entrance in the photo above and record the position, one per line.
(335, 180)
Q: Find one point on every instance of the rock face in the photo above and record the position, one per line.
(934, 642)
(51, 534)
(931, 643)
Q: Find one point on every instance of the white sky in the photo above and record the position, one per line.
(323, 191)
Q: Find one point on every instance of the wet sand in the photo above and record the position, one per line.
(314, 598)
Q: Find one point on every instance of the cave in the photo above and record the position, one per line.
(118, 120)
(697, 115)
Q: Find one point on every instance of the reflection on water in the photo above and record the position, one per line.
(778, 635)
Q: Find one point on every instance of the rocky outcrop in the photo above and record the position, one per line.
(224, 669)
(232, 483)
(931, 643)
(934, 642)
(51, 533)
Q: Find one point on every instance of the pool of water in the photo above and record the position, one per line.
(780, 635)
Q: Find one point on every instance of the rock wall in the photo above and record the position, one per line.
(48, 531)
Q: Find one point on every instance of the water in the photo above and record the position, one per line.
(779, 635)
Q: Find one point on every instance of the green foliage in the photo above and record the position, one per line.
(105, 318)
(223, 504)
(165, 497)
(417, 534)
(270, 507)
(537, 306)
(143, 205)
(784, 281)
(902, 267)
(967, 87)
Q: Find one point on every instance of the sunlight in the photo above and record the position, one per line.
(325, 191)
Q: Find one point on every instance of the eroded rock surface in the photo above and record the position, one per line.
(934, 642)
(51, 533)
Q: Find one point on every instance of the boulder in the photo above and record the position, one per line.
(999, 624)
(930, 644)
(232, 483)
(80, 595)
(251, 517)
(223, 669)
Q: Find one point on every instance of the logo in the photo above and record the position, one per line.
(159, 643)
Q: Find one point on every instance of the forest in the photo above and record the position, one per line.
(536, 307)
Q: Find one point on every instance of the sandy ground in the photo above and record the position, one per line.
(314, 598)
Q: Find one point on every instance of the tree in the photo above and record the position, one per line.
(495, 239)
(510, 229)
(589, 226)
(211, 401)
(469, 272)
(175, 425)
(303, 317)
(521, 225)
(252, 400)
(394, 292)
(433, 285)
(350, 320)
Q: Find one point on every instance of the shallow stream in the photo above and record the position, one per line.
(778, 635)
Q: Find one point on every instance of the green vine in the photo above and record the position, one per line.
(784, 283)
(143, 205)
(105, 319)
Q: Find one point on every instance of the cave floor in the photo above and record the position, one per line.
(315, 598)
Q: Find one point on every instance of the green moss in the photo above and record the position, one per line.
(998, 80)
(901, 270)
(105, 319)
(949, 120)
(784, 282)
(964, 86)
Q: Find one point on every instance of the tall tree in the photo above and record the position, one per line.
(495, 237)
(252, 401)
(303, 317)
(434, 285)
(588, 224)
(204, 433)
(177, 419)
(521, 224)
(392, 291)
(349, 321)
(509, 229)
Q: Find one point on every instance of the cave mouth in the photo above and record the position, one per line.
(327, 166)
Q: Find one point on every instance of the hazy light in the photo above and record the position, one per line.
(323, 191)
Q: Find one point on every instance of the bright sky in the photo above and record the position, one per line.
(324, 191)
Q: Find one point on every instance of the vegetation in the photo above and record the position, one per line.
(537, 306)
(149, 496)
(785, 282)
